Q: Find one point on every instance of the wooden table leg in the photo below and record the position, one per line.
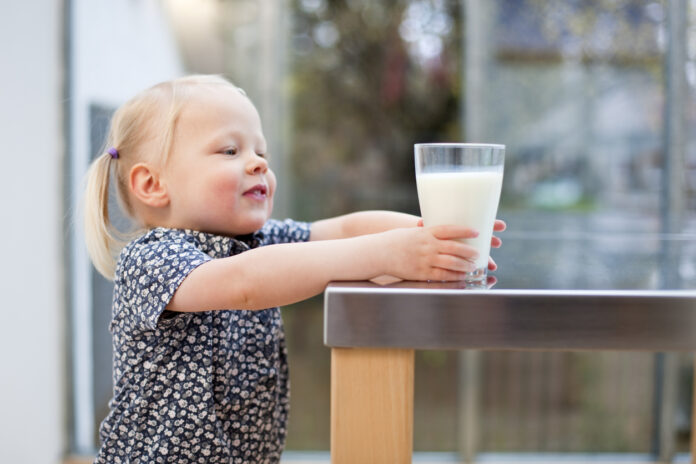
(371, 406)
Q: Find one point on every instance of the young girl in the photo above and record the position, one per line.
(200, 372)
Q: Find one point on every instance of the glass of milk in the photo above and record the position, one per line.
(460, 183)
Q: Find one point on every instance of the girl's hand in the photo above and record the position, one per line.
(433, 253)
(498, 226)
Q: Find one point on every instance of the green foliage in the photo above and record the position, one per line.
(367, 96)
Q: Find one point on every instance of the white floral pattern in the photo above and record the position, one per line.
(200, 387)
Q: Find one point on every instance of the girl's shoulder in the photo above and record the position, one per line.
(158, 235)
(154, 244)
(149, 270)
(161, 234)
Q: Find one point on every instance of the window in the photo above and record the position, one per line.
(588, 96)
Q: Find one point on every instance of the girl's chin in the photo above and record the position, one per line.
(251, 226)
(233, 225)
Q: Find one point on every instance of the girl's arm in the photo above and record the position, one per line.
(361, 223)
(281, 274)
(369, 222)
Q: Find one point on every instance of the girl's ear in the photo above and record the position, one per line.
(147, 186)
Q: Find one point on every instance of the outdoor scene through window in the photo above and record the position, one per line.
(578, 91)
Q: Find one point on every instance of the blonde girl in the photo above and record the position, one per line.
(200, 371)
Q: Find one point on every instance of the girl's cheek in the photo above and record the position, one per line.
(272, 181)
(226, 185)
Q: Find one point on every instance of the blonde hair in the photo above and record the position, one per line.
(150, 115)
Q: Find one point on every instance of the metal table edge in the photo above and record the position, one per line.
(353, 333)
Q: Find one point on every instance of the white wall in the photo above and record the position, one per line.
(32, 410)
(118, 48)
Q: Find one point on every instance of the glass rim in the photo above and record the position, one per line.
(498, 146)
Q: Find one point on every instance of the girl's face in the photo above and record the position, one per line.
(218, 177)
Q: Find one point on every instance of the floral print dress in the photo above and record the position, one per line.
(199, 387)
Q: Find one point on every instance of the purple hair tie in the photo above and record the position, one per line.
(113, 152)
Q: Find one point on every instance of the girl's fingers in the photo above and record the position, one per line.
(455, 248)
(491, 264)
(420, 223)
(499, 225)
(453, 263)
(450, 232)
(444, 275)
(496, 242)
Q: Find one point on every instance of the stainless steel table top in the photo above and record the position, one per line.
(615, 292)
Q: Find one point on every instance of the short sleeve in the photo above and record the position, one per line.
(287, 231)
(150, 274)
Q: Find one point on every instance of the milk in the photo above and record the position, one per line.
(468, 198)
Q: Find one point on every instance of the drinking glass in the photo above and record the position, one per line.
(460, 183)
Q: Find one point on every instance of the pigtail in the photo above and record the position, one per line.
(100, 235)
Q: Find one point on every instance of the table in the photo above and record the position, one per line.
(373, 330)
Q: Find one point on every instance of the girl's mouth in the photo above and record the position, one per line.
(257, 192)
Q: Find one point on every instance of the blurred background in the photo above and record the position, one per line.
(594, 100)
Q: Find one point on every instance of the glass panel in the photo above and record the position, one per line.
(575, 89)
(593, 261)
(576, 92)
(102, 289)
(566, 402)
(369, 79)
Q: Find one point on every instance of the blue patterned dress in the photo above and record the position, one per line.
(202, 387)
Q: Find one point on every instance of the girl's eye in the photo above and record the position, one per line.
(230, 151)
(262, 155)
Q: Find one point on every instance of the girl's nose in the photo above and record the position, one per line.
(257, 164)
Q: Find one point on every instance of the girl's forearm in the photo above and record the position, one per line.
(303, 270)
(370, 222)
(361, 223)
(277, 275)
